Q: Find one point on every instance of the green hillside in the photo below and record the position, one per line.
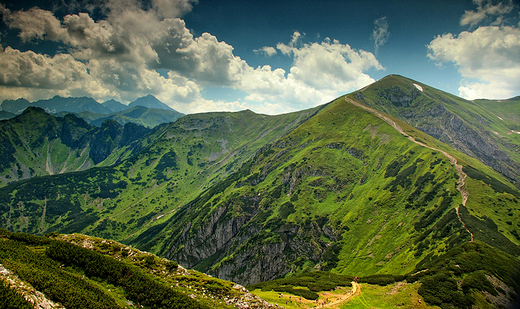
(36, 144)
(344, 192)
(389, 182)
(77, 271)
(133, 192)
(474, 128)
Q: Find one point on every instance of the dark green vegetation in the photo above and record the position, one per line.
(251, 198)
(305, 285)
(451, 280)
(11, 299)
(108, 275)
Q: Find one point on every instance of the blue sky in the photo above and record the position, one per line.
(268, 56)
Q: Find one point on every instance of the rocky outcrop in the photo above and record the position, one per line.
(225, 245)
(399, 97)
(455, 132)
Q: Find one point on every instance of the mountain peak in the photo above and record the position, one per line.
(151, 102)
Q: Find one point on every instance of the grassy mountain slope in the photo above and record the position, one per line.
(473, 128)
(175, 163)
(77, 271)
(36, 143)
(344, 192)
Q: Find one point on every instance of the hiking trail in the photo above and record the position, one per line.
(462, 176)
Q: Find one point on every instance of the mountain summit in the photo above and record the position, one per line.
(474, 128)
(149, 101)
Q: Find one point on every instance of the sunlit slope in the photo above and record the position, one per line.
(174, 165)
(344, 191)
(474, 128)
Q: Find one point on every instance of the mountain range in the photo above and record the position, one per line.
(147, 111)
(396, 178)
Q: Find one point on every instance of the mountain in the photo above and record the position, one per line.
(149, 101)
(349, 190)
(36, 144)
(56, 104)
(344, 191)
(345, 188)
(147, 117)
(175, 162)
(74, 105)
(114, 106)
(474, 128)
(6, 115)
(15, 106)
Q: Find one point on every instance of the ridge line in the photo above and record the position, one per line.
(462, 176)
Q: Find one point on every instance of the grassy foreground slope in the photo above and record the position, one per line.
(175, 163)
(344, 192)
(77, 271)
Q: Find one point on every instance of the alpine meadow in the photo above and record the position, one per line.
(298, 154)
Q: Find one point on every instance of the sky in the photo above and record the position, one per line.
(268, 56)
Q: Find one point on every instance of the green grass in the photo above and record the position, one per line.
(373, 296)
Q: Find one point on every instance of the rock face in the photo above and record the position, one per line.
(454, 131)
(264, 260)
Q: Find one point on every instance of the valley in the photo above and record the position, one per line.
(398, 184)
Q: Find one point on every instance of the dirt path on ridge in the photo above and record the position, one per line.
(462, 176)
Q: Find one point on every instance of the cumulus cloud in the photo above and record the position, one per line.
(380, 34)
(486, 9)
(320, 72)
(488, 59)
(119, 56)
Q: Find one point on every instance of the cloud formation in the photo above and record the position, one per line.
(488, 59)
(380, 34)
(120, 56)
(486, 9)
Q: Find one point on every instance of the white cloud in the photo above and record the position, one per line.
(118, 57)
(380, 34)
(266, 50)
(320, 72)
(34, 23)
(488, 59)
(486, 9)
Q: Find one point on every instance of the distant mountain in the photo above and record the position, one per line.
(73, 105)
(6, 115)
(148, 117)
(15, 106)
(114, 106)
(36, 144)
(151, 102)
(56, 104)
